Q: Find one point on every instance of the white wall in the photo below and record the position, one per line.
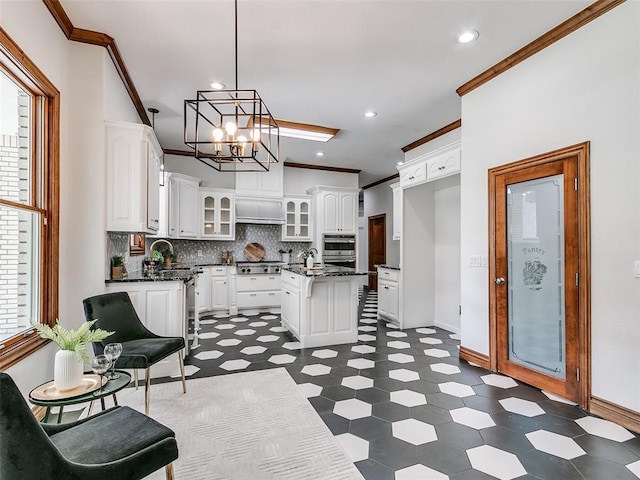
(89, 94)
(83, 184)
(584, 87)
(378, 200)
(298, 180)
(195, 168)
(447, 258)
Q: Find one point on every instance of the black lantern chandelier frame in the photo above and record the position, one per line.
(231, 130)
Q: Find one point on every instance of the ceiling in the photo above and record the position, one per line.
(323, 62)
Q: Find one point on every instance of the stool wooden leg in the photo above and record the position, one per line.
(147, 386)
(184, 383)
(135, 377)
(169, 471)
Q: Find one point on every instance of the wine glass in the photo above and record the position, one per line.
(100, 364)
(113, 351)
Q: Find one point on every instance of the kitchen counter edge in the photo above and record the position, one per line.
(328, 271)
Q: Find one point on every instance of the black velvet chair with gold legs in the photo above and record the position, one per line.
(141, 348)
(118, 443)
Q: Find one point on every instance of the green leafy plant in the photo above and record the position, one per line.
(74, 340)
(117, 261)
(308, 252)
(157, 256)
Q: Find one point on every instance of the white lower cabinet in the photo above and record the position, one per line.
(161, 308)
(388, 294)
(213, 290)
(290, 297)
(219, 292)
(258, 291)
(203, 290)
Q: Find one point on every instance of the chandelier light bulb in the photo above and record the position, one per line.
(255, 135)
(217, 138)
(231, 129)
(242, 142)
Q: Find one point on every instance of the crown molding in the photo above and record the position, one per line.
(321, 167)
(382, 180)
(90, 37)
(580, 19)
(433, 135)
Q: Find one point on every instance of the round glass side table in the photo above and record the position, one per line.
(111, 387)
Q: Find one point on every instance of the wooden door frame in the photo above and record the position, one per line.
(581, 151)
(384, 237)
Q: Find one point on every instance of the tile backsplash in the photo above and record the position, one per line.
(269, 236)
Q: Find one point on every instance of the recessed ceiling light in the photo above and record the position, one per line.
(468, 36)
(320, 154)
(370, 114)
(218, 86)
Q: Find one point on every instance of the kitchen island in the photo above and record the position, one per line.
(320, 305)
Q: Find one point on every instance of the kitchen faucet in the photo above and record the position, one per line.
(158, 241)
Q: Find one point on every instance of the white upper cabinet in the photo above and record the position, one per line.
(217, 214)
(437, 164)
(413, 174)
(397, 210)
(337, 209)
(261, 184)
(133, 182)
(183, 198)
(297, 219)
(173, 206)
(443, 165)
(188, 199)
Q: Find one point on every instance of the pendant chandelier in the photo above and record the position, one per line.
(231, 130)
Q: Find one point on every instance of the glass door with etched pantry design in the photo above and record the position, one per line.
(535, 266)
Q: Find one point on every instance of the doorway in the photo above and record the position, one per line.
(539, 272)
(377, 247)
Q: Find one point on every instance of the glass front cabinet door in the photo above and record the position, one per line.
(218, 215)
(297, 226)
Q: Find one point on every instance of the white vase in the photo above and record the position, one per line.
(67, 370)
(309, 261)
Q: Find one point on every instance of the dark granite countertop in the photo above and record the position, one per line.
(390, 267)
(327, 271)
(168, 275)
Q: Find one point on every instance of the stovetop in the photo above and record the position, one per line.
(258, 268)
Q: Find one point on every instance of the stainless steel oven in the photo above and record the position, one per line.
(339, 250)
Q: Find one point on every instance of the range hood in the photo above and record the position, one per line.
(265, 211)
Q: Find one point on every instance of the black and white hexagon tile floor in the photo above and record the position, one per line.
(403, 406)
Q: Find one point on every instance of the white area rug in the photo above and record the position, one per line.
(245, 426)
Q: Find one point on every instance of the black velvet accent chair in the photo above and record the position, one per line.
(140, 347)
(118, 443)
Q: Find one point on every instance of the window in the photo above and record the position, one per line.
(29, 135)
